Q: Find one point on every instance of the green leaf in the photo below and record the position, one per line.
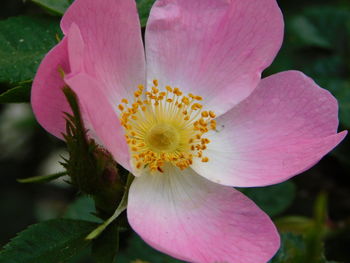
(307, 33)
(17, 94)
(331, 22)
(144, 7)
(47, 242)
(82, 208)
(138, 251)
(60, 6)
(294, 224)
(57, 7)
(24, 40)
(292, 250)
(272, 199)
(341, 90)
(295, 249)
(315, 236)
(105, 247)
(313, 233)
(41, 179)
(342, 153)
(317, 44)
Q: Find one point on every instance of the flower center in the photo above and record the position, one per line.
(165, 127)
(163, 137)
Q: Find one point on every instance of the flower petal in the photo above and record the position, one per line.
(47, 99)
(113, 50)
(286, 126)
(101, 116)
(215, 49)
(195, 220)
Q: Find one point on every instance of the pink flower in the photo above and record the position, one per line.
(235, 129)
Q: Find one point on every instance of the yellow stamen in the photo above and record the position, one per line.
(165, 127)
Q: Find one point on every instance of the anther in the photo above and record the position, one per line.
(205, 159)
(205, 114)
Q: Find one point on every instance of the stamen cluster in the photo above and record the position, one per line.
(165, 127)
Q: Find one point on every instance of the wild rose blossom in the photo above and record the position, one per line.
(190, 116)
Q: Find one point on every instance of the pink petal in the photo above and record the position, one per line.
(109, 33)
(192, 219)
(113, 51)
(47, 99)
(215, 49)
(76, 49)
(101, 116)
(286, 126)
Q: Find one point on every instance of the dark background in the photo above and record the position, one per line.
(316, 42)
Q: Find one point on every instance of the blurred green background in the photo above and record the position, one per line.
(312, 211)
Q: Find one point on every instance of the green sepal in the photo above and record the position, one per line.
(92, 169)
(144, 8)
(120, 209)
(42, 179)
(19, 94)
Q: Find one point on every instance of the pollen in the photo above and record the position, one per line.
(164, 125)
